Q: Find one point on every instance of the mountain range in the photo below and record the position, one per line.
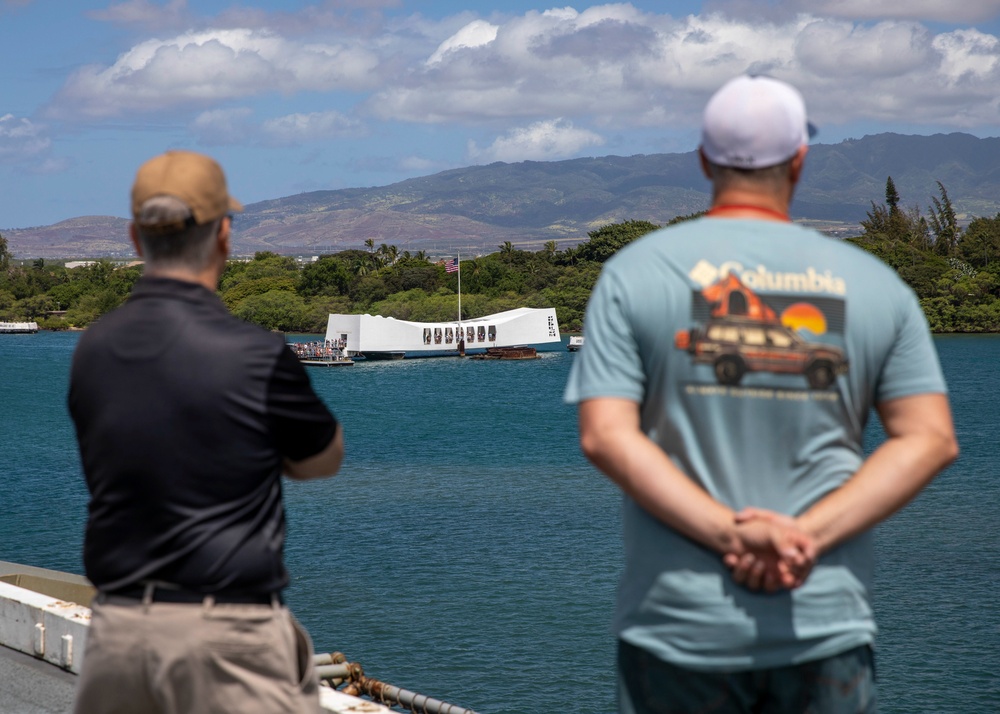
(475, 209)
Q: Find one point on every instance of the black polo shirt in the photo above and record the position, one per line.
(184, 415)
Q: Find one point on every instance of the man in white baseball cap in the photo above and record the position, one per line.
(754, 122)
(731, 365)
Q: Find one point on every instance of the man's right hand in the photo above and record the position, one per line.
(773, 553)
(324, 464)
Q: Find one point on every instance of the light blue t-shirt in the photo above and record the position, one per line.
(756, 351)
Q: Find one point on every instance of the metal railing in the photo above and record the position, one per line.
(348, 677)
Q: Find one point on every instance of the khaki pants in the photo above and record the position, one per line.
(165, 658)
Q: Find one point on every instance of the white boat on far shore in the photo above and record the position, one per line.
(18, 328)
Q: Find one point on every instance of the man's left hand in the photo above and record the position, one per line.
(775, 553)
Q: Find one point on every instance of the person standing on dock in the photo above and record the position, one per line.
(730, 367)
(186, 418)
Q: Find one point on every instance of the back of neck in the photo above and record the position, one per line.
(742, 201)
(747, 210)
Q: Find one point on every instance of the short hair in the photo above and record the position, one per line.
(170, 238)
(770, 178)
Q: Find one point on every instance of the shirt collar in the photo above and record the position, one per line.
(150, 286)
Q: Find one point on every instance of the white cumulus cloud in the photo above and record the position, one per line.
(609, 67)
(237, 126)
(418, 163)
(21, 140)
(314, 126)
(541, 141)
(952, 11)
(838, 48)
(221, 127)
(615, 67)
(968, 55)
(475, 34)
(209, 67)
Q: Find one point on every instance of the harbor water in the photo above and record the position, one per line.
(468, 552)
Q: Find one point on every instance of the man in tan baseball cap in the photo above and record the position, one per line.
(178, 199)
(192, 178)
(186, 419)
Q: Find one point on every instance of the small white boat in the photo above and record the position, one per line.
(329, 353)
(575, 343)
(327, 362)
(18, 328)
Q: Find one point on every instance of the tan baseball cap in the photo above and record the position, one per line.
(193, 178)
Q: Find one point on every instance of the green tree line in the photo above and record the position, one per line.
(954, 269)
(280, 293)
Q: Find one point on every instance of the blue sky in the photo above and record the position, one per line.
(303, 96)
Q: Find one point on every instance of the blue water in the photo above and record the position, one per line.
(468, 552)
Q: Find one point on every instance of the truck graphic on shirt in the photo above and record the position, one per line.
(743, 334)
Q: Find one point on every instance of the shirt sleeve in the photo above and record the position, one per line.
(912, 365)
(300, 422)
(608, 364)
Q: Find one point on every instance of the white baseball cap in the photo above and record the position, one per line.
(753, 122)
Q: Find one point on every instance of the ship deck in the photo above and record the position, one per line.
(33, 686)
(43, 634)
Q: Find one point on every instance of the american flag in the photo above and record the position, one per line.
(451, 266)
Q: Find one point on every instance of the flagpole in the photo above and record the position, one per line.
(460, 290)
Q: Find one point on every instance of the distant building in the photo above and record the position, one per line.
(85, 263)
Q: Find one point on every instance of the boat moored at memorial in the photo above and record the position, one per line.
(329, 353)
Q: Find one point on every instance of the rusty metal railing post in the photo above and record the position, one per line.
(418, 703)
(336, 670)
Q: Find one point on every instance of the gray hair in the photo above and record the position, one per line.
(170, 238)
(771, 178)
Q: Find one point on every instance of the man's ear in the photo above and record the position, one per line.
(798, 161)
(133, 233)
(705, 168)
(225, 231)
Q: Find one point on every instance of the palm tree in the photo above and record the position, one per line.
(389, 254)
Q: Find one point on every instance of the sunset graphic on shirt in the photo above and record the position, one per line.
(801, 316)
